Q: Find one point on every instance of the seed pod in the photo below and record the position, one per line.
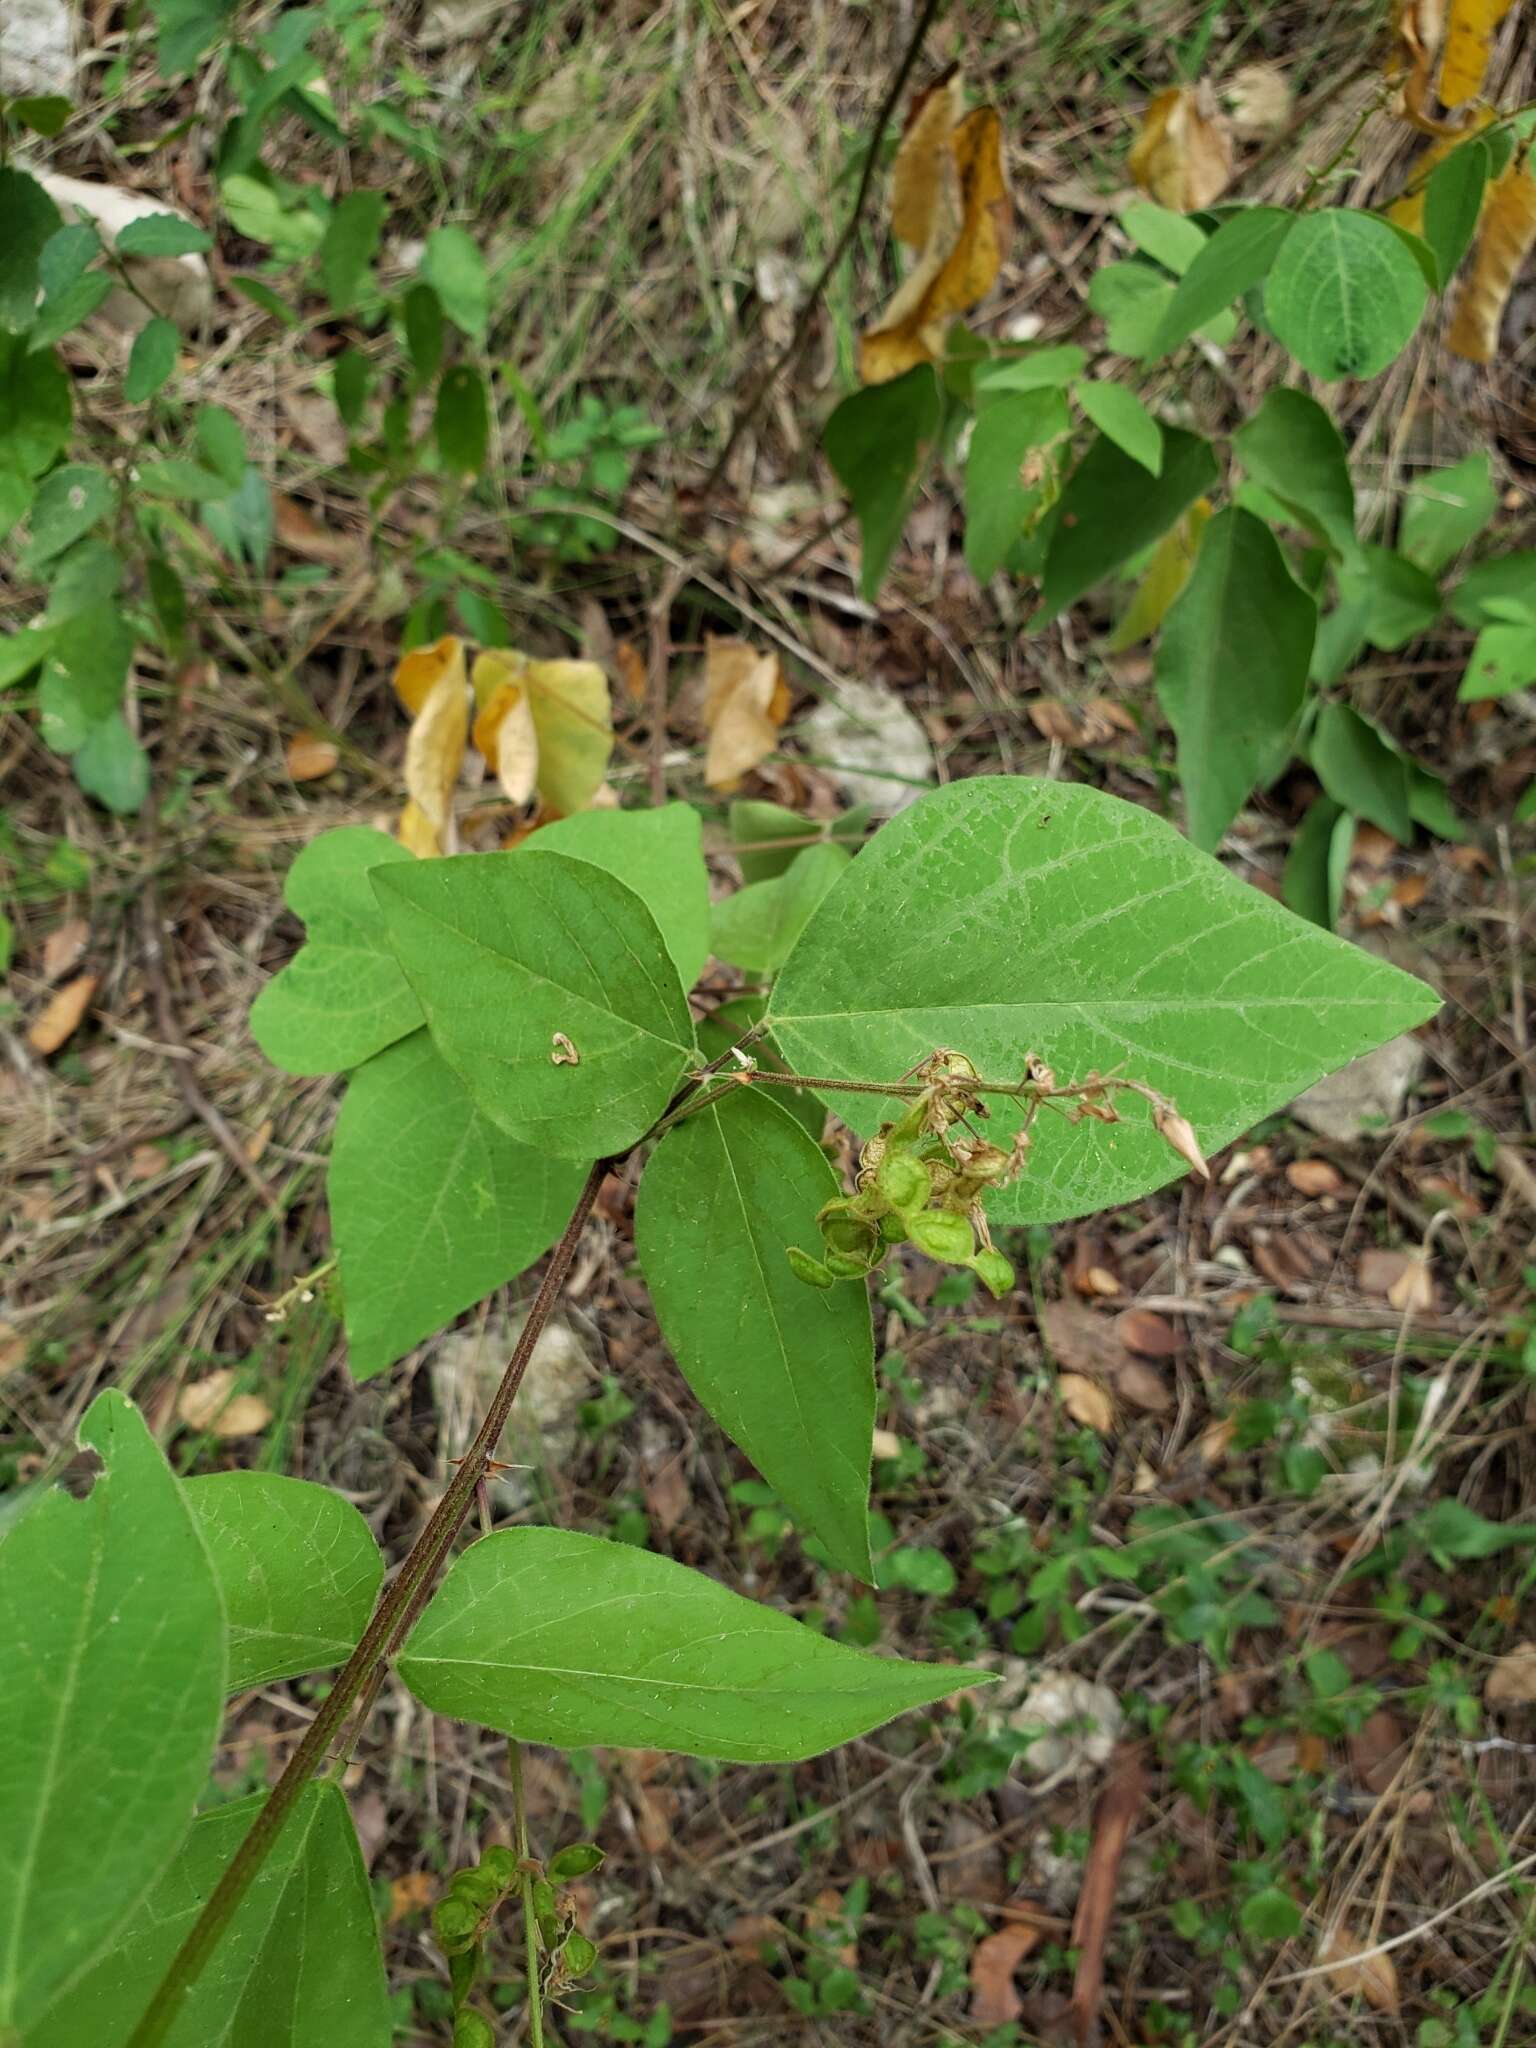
(994, 1272)
(853, 1265)
(578, 1955)
(853, 1235)
(477, 1887)
(471, 2031)
(456, 1924)
(903, 1180)
(574, 1861)
(805, 1268)
(942, 1235)
(500, 1866)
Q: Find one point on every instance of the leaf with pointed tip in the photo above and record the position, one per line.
(342, 997)
(570, 1640)
(659, 854)
(109, 1711)
(548, 989)
(787, 1371)
(1112, 508)
(1004, 915)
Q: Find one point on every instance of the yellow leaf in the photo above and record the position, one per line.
(950, 203)
(60, 1016)
(1503, 242)
(1167, 574)
(1468, 40)
(418, 671)
(1182, 155)
(746, 700)
(1086, 1402)
(434, 753)
(210, 1405)
(569, 707)
(505, 735)
(1356, 1973)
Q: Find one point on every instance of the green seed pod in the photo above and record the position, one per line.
(464, 1969)
(903, 1180)
(471, 2031)
(574, 1861)
(549, 1931)
(478, 1887)
(578, 1955)
(853, 1235)
(852, 1265)
(456, 1924)
(893, 1228)
(805, 1268)
(543, 1897)
(500, 1866)
(994, 1272)
(982, 1161)
(942, 1235)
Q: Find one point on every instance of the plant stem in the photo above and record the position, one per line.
(765, 383)
(525, 1876)
(391, 1618)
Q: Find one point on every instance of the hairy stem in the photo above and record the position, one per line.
(797, 341)
(525, 1878)
(396, 1609)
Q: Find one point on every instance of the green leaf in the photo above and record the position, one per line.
(1447, 509)
(299, 1963)
(175, 477)
(1133, 300)
(1270, 1915)
(43, 113)
(755, 826)
(1036, 369)
(1003, 915)
(221, 443)
(36, 406)
(1396, 601)
(1293, 449)
(343, 997)
(1120, 415)
(61, 312)
(455, 269)
(422, 314)
(1361, 771)
(20, 652)
(724, 1025)
(30, 218)
(878, 442)
(350, 244)
(262, 295)
(1483, 595)
(756, 927)
(432, 1207)
(112, 766)
(1503, 658)
(242, 523)
(351, 376)
(87, 666)
(1231, 668)
(1237, 257)
(1344, 294)
(1431, 805)
(155, 348)
(1450, 1530)
(659, 854)
(69, 502)
(297, 1568)
(1007, 477)
(1318, 862)
(162, 234)
(520, 956)
(65, 256)
(1111, 509)
(1172, 239)
(572, 1641)
(462, 421)
(87, 576)
(110, 1708)
(187, 28)
(786, 1370)
(256, 209)
(1453, 198)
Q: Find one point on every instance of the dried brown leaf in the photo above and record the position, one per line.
(301, 533)
(1354, 1971)
(63, 946)
(1086, 1402)
(746, 700)
(1504, 240)
(1314, 1177)
(434, 752)
(949, 203)
(60, 1016)
(1413, 1291)
(634, 678)
(1179, 1132)
(1182, 155)
(1141, 1386)
(414, 1892)
(994, 2001)
(1512, 1681)
(1148, 1334)
(211, 1405)
(310, 755)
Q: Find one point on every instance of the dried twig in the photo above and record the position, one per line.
(1113, 1819)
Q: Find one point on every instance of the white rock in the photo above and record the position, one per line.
(1075, 1723)
(37, 49)
(871, 744)
(544, 1428)
(180, 287)
(1363, 1097)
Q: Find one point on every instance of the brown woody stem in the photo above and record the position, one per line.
(395, 1610)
